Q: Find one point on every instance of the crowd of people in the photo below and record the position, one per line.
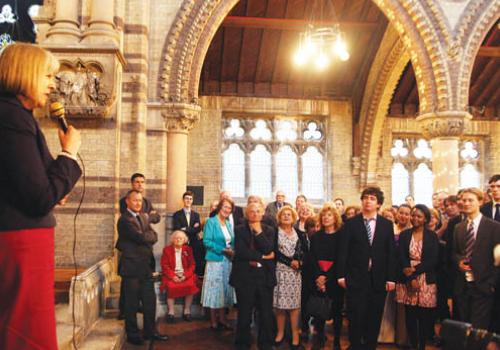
(393, 272)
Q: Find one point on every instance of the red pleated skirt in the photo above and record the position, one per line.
(181, 289)
(27, 313)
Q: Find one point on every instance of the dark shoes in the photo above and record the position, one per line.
(157, 336)
(135, 340)
(187, 317)
(170, 318)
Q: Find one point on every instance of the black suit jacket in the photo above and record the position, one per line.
(482, 264)
(264, 244)
(180, 223)
(135, 242)
(487, 210)
(31, 181)
(429, 259)
(238, 216)
(147, 207)
(355, 253)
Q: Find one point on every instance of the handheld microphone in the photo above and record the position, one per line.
(57, 111)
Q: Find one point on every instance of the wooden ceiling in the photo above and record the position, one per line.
(251, 53)
(484, 94)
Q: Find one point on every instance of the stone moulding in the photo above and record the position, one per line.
(180, 117)
(443, 124)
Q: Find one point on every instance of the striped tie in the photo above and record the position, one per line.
(469, 240)
(369, 230)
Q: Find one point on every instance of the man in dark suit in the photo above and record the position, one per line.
(188, 220)
(273, 207)
(253, 277)
(138, 183)
(137, 264)
(492, 209)
(366, 268)
(473, 244)
(236, 218)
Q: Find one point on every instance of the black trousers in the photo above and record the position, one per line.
(365, 307)
(417, 324)
(260, 296)
(139, 290)
(475, 307)
(336, 293)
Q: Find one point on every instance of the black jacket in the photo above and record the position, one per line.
(355, 253)
(180, 223)
(301, 249)
(135, 242)
(485, 273)
(31, 181)
(429, 259)
(264, 243)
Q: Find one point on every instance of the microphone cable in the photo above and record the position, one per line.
(75, 266)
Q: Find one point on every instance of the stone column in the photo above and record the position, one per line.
(101, 27)
(179, 118)
(66, 28)
(444, 130)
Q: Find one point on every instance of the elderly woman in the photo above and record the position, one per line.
(299, 201)
(287, 293)
(179, 278)
(323, 256)
(32, 183)
(218, 238)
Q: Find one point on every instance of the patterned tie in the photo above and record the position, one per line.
(469, 240)
(369, 230)
(497, 212)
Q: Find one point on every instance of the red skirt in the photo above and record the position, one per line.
(181, 289)
(27, 314)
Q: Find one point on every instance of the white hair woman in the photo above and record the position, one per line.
(179, 277)
(32, 183)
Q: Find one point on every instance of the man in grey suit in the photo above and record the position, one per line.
(273, 207)
(473, 244)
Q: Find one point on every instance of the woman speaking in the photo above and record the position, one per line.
(31, 184)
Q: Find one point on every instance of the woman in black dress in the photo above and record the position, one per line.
(323, 255)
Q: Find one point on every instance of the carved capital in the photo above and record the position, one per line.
(181, 117)
(443, 124)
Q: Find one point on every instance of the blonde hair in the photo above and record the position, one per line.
(308, 206)
(22, 68)
(330, 207)
(282, 210)
(176, 233)
(475, 191)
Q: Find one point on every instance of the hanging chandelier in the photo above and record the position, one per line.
(322, 41)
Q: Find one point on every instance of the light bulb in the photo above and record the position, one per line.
(321, 61)
(300, 57)
(344, 55)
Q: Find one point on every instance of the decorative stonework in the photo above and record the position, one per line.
(372, 123)
(80, 86)
(181, 117)
(444, 124)
(478, 18)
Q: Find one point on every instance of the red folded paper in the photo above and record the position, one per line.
(325, 265)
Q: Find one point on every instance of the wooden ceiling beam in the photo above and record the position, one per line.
(488, 51)
(291, 24)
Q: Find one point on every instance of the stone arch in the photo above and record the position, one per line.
(375, 110)
(476, 21)
(197, 22)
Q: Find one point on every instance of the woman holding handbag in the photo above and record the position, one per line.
(323, 253)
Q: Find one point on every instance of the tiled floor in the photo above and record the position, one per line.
(198, 335)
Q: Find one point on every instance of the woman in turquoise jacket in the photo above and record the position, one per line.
(218, 239)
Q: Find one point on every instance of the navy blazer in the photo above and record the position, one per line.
(429, 259)
(355, 253)
(31, 181)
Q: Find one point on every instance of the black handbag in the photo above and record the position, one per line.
(319, 306)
